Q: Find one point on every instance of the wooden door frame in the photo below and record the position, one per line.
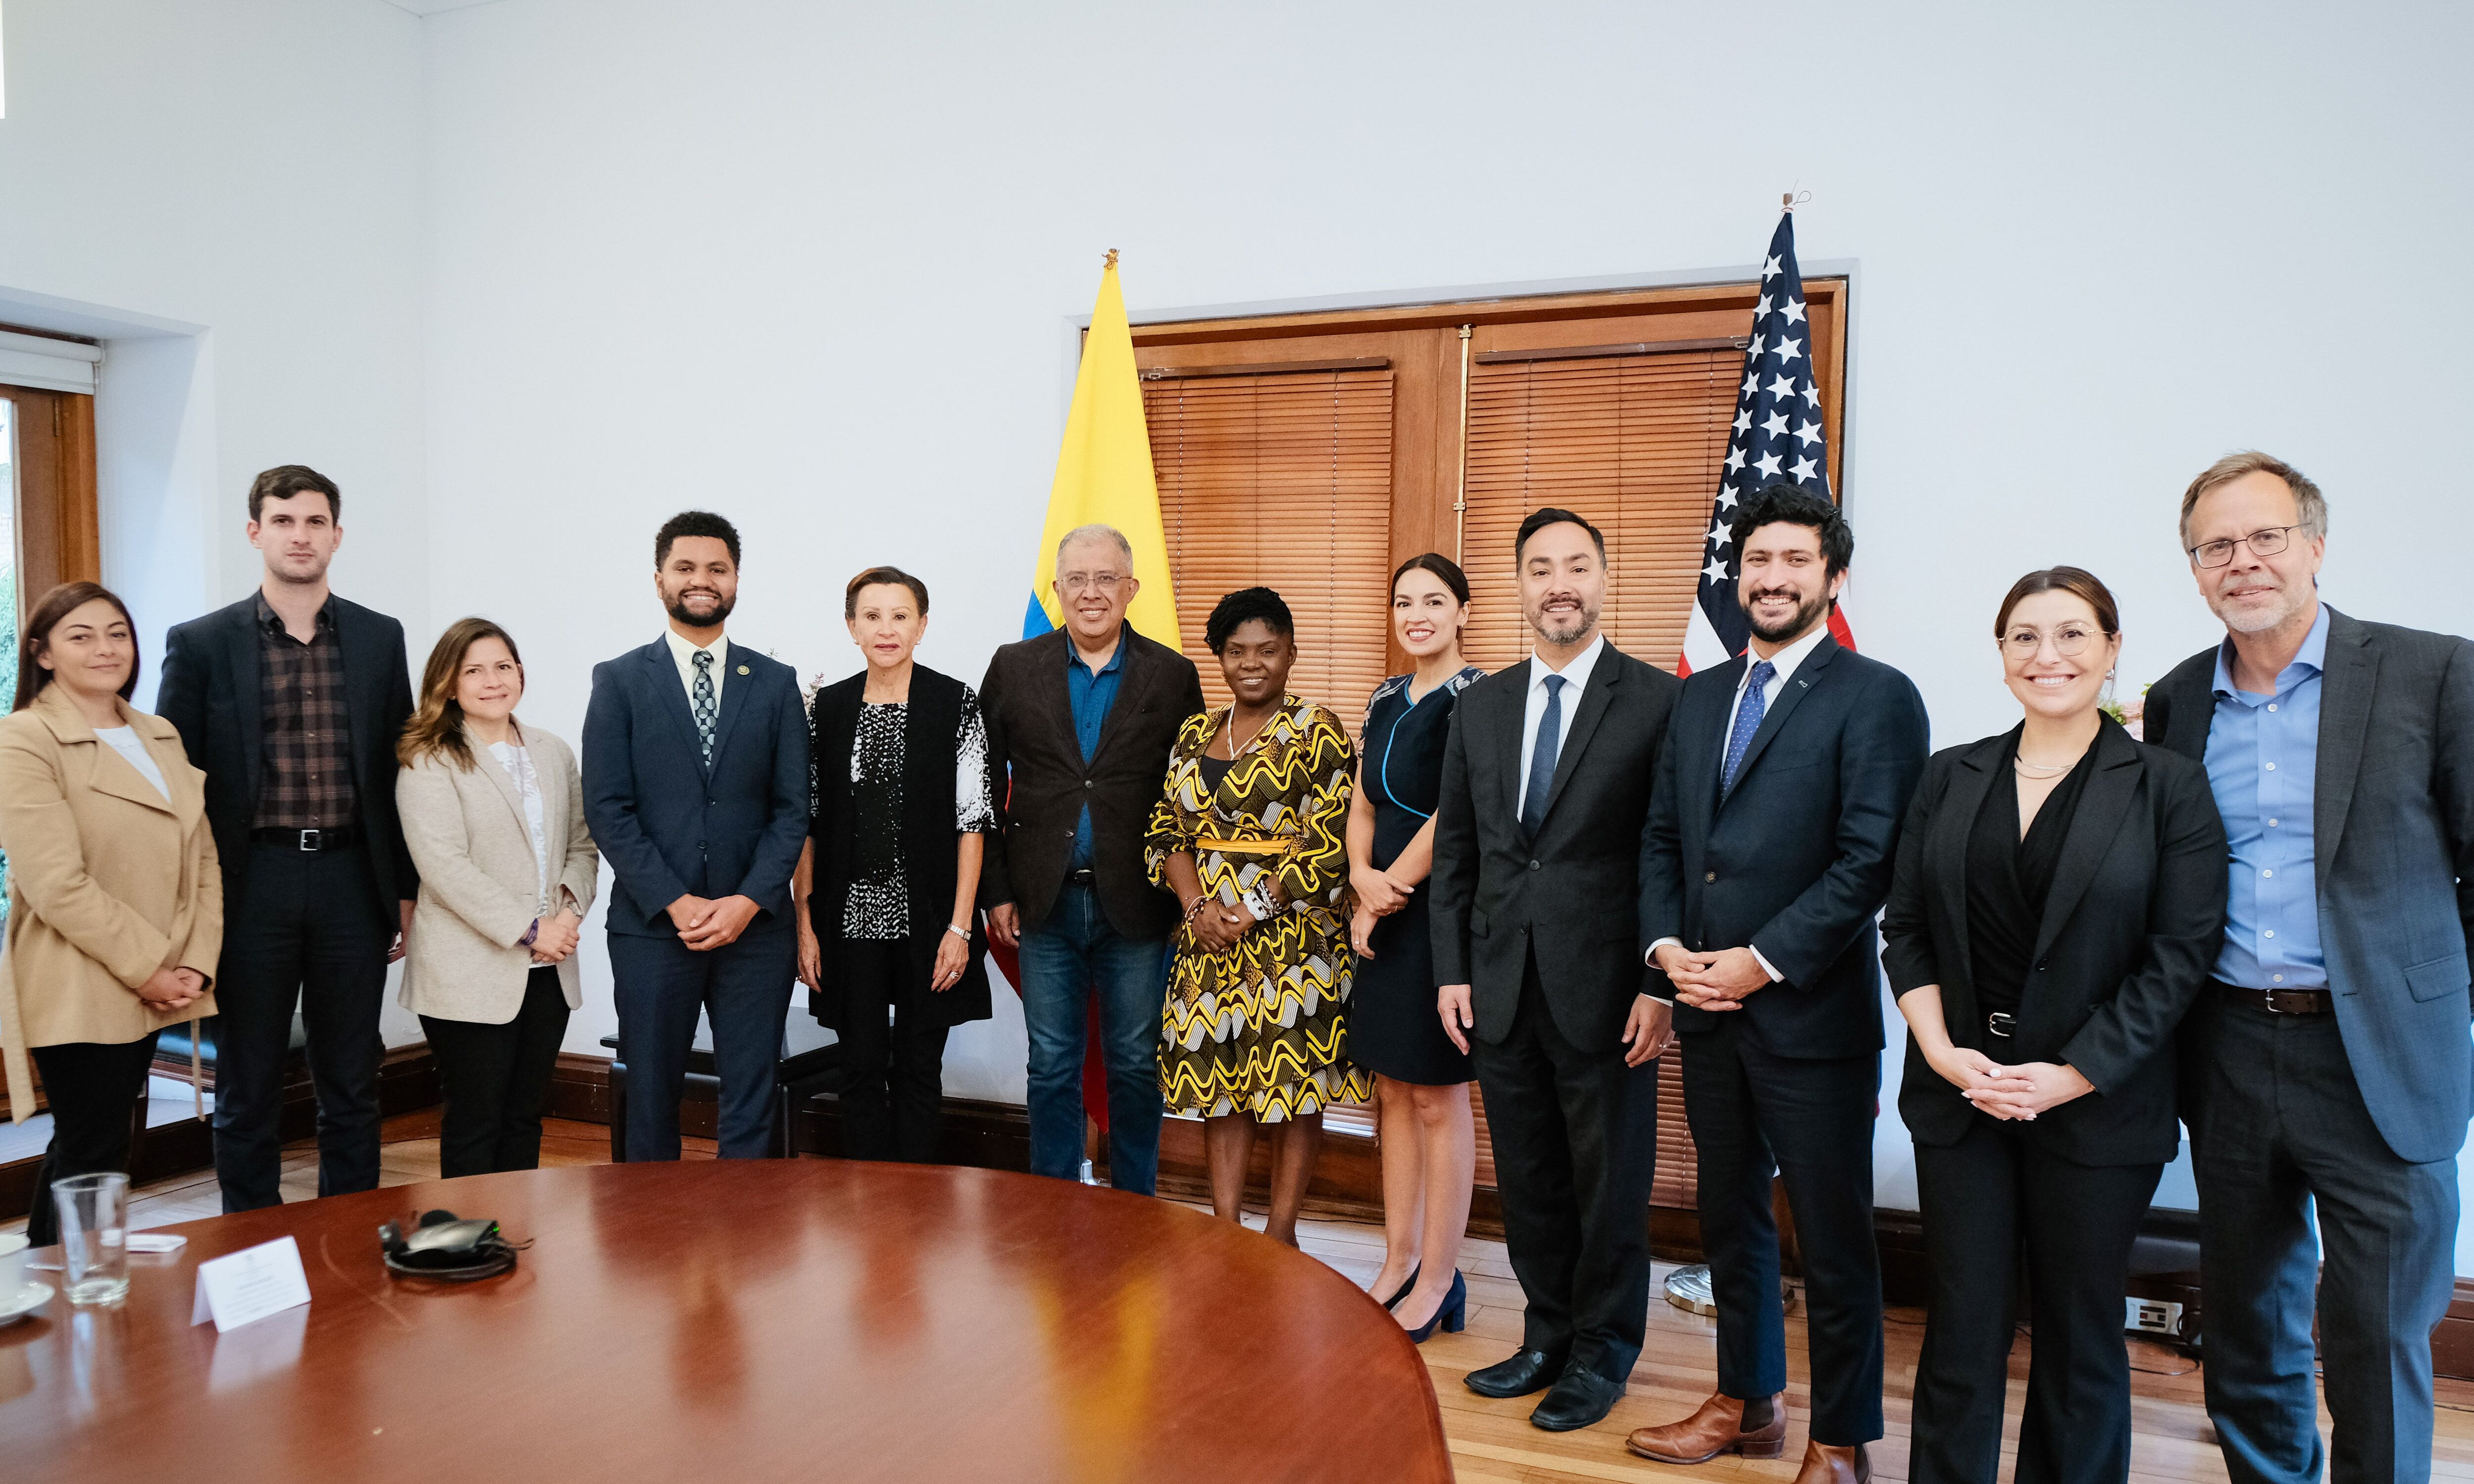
(58, 524)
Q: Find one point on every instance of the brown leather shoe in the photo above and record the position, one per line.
(1827, 1463)
(1716, 1428)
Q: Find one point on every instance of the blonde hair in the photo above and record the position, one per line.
(2309, 507)
(436, 729)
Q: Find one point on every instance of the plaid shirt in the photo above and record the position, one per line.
(307, 729)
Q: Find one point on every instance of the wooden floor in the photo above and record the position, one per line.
(1492, 1440)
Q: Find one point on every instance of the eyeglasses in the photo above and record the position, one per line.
(2070, 641)
(2262, 543)
(1083, 581)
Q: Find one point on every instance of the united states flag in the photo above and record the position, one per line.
(1777, 439)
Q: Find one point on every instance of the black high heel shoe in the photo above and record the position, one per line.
(1393, 1301)
(1452, 1315)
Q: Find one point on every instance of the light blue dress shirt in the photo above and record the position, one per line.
(2263, 762)
(1091, 694)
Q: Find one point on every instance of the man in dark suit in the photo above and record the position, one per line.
(1772, 834)
(1084, 716)
(695, 785)
(291, 700)
(1546, 782)
(2329, 1065)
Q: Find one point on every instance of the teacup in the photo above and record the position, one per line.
(13, 1267)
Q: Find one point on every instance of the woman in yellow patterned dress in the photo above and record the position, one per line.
(1251, 837)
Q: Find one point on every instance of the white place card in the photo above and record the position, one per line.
(247, 1286)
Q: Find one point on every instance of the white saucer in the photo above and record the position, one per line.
(26, 1300)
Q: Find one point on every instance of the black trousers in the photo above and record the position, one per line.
(1575, 1144)
(93, 1088)
(305, 930)
(1985, 1200)
(897, 1072)
(1756, 1115)
(497, 1080)
(2279, 1132)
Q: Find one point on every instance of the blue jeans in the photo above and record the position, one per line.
(1071, 954)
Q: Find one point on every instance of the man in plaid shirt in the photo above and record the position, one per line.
(291, 699)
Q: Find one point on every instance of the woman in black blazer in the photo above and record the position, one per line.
(2059, 900)
(901, 799)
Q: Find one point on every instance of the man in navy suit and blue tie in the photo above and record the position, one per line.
(1772, 831)
(695, 785)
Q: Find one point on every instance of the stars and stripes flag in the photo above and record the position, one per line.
(1778, 438)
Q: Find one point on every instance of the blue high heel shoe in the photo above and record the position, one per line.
(1410, 1283)
(1453, 1315)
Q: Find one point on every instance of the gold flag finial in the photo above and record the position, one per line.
(1112, 259)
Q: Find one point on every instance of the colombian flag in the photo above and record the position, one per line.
(1103, 476)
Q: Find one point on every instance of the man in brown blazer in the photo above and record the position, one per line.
(1084, 717)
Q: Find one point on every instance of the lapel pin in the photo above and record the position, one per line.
(742, 669)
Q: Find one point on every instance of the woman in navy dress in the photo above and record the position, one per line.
(1421, 1079)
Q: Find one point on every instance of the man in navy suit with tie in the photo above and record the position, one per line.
(1772, 831)
(695, 785)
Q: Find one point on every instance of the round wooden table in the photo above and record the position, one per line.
(739, 1323)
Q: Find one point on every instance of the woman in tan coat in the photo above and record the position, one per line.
(115, 902)
(493, 815)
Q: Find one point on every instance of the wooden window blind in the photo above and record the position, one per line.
(1283, 480)
(1633, 443)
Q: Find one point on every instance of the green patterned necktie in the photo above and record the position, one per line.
(705, 709)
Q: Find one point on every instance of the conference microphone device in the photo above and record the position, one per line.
(446, 1247)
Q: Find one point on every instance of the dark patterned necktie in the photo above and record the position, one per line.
(1541, 759)
(1748, 719)
(703, 708)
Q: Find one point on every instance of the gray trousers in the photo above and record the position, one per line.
(2278, 1128)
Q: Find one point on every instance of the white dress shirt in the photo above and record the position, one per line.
(518, 761)
(684, 653)
(1576, 678)
(1784, 665)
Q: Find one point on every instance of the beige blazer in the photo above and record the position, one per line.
(463, 960)
(108, 882)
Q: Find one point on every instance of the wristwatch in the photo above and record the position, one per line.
(531, 933)
(962, 933)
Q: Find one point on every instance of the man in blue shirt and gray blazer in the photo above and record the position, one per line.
(695, 785)
(2330, 1066)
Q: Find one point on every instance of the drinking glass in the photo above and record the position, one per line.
(94, 1237)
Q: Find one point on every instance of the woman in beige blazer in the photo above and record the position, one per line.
(493, 815)
(115, 902)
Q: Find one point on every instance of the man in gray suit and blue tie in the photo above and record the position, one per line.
(2330, 1067)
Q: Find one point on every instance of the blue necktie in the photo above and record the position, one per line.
(1541, 759)
(1748, 719)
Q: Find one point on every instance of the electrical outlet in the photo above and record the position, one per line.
(2149, 1316)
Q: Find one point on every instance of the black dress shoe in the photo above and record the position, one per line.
(1527, 1371)
(1579, 1397)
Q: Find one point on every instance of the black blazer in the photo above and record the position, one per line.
(209, 690)
(1030, 731)
(2392, 848)
(2135, 918)
(1797, 859)
(1494, 890)
(667, 824)
(930, 844)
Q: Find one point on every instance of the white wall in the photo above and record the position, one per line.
(229, 195)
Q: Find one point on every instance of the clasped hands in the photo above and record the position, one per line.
(1379, 895)
(1711, 981)
(167, 990)
(555, 939)
(706, 925)
(2010, 1093)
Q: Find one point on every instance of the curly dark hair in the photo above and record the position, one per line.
(1243, 606)
(694, 522)
(1776, 503)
